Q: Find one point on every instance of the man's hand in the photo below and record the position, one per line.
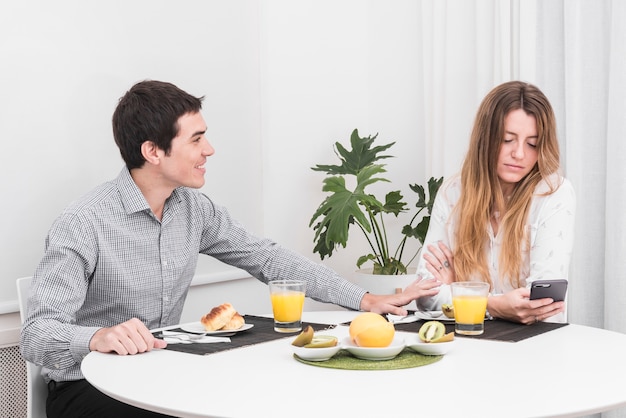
(383, 304)
(130, 337)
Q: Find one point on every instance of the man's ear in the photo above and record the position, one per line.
(150, 152)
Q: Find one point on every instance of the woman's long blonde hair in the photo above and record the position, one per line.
(481, 194)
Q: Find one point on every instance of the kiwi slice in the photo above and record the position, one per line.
(304, 338)
(322, 341)
(431, 330)
(444, 338)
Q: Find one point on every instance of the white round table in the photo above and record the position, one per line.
(571, 371)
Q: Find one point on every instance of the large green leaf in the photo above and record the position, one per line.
(359, 157)
(433, 188)
(343, 207)
(323, 246)
(393, 204)
(419, 231)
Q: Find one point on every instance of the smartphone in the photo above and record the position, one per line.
(554, 288)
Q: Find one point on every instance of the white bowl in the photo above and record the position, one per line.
(316, 354)
(375, 353)
(430, 349)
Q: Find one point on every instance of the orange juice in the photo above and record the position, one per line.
(470, 304)
(287, 306)
(469, 309)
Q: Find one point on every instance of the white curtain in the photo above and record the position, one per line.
(467, 48)
(585, 44)
(575, 51)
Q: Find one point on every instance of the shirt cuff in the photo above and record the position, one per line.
(79, 347)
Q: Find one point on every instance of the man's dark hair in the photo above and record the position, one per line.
(149, 111)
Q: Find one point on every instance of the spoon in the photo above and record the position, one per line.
(176, 339)
(183, 336)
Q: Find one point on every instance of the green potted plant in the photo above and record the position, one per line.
(343, 208)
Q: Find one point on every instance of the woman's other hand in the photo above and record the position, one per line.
(440, 262)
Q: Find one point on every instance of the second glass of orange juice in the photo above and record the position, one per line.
(470, 305)
(287, 301)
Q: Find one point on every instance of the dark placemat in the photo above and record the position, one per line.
(344, 360)
(262, 331)
(496, 329)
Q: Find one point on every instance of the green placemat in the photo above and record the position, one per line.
(344, 360)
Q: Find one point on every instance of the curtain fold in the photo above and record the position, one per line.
(582, 44)
(465, 51)
(615, 192)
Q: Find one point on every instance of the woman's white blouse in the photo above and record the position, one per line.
(550, 223)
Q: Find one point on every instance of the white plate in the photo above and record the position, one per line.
(316, 354)
(375, 353)
(430, 349)
(397, 319)
(197, 327)
(432, 316)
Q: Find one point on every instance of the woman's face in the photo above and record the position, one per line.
(518, 152)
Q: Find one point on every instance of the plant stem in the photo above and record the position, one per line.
(381, 237)
(400, 250)
(369, 241)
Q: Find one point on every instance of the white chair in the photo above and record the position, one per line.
(37, 391)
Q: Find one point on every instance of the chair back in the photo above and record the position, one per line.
(36, 389)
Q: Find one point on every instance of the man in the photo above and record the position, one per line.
(119, 261)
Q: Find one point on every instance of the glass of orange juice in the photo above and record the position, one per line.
(287, 301)
(470, 305)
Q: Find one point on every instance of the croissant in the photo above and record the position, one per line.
(235, 322)
(218, 317)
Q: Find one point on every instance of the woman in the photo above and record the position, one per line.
(508, 217)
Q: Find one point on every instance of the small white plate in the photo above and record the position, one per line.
(397, 319)
(198, 328)
(430, 349)
(316, 354)
(432, 316)
(375, 353)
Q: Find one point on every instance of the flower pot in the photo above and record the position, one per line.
(383, 284)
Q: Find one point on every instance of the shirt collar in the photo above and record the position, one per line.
(132, 198)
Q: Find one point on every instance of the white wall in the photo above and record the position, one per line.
(65, 64)
(283, 81)
(328, 67)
